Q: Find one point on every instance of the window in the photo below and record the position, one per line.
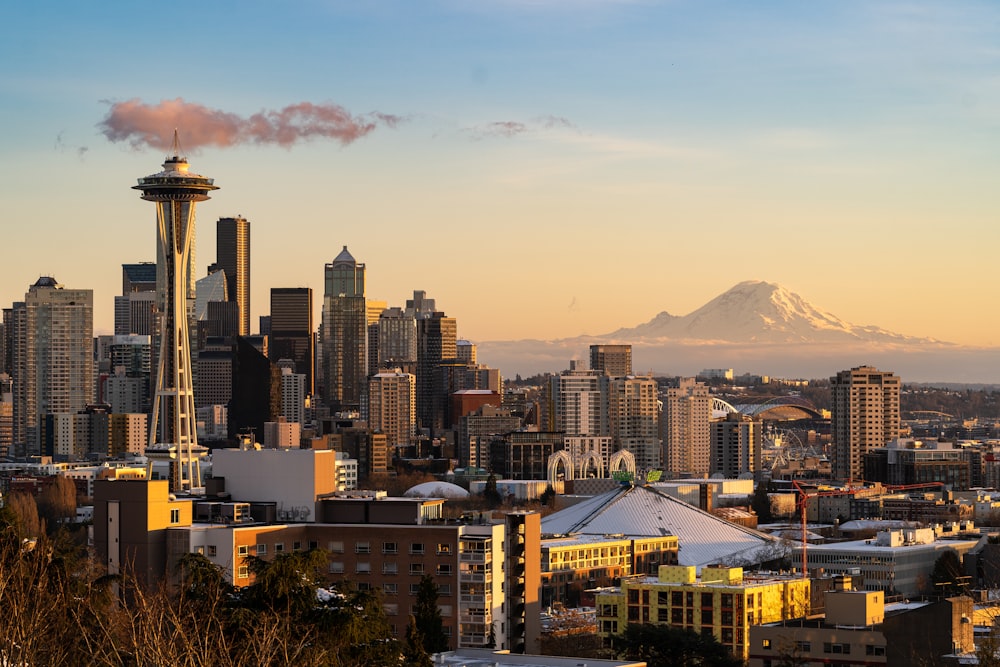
(835, 647)
(279, 547)
(390, 589)
(243, 572)
(805, 647)
(445, 610)
(211, 551)
(243, 550)
(416, 568)
(417, 548)
(363, 568)
(313, 545)
(200, 551)
(443, 549)
(444, 569)
(389, 568)
(872, 649)
(296, 546)
(175, 516)
(364, 586)
(391, 608)
(414, 589)
(337, 547)
(389, 548)
(765, 644)
(444, 590)
(363, 548)
(336, 568)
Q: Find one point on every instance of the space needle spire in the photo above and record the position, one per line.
(175, 191)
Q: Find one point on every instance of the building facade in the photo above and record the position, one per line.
(865, 415)
(53, 358)
(345, 333)
(232, 253)
(687, 412)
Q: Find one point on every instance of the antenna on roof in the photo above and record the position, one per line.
(177, 144)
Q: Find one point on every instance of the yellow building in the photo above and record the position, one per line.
(722, 601)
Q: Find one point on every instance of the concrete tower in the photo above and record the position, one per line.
(865, 415)
(175, 191)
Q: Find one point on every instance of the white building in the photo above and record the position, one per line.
(293, 396)
(282, 434)
(293, 478)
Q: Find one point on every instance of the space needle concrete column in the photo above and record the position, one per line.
(173, 428)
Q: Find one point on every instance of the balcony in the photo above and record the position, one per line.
(476, 557)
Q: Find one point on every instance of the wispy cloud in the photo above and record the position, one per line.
(141, 124)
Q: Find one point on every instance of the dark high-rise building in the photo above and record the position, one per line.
(232, 254)
(613, 360)
(345, 333)
(437, 336)
(256, 395)
(292, 331)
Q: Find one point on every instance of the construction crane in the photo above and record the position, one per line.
(802, 504)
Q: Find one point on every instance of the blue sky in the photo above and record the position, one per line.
(653, 154)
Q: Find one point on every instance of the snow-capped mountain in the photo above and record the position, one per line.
(757, 311)
(758, 327)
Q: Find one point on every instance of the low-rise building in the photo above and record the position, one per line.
(860, 629)
(898, 562)
(722, 601)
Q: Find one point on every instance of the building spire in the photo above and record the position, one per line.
(177, 144)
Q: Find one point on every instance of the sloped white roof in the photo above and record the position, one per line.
(636, 511)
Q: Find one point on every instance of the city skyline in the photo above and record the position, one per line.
(840, 149)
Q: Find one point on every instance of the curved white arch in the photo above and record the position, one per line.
(722, 406)
(622, 459)
(585, 462)
(562, 456)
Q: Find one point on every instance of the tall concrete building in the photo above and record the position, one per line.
(397, 338)
(687, 413)
(175, 191)
(392, 408)
(865, 415)
(292, 334)
(633, 419)
(232, 254)
(613, 360)
(345, 332)
(736, 445)
(580, 403)
(135, 308)
(53, 358)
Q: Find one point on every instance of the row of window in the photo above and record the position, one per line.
(832, 648)
(416, 548)
(442, 570)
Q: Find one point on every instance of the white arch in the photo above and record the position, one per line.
(588, 458)
(623, 458)
(562, 456)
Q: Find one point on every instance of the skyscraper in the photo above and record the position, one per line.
(292, 331)
(437, 336)
(53, 359)
(175, 191)
(865, 415)
(613, 360)
(345, 332)
(633, 418)
(232, 254)
(687, 413)
(391, 406)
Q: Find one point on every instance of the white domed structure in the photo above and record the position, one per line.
(436, 490)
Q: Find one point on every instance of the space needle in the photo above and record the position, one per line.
(173, 429)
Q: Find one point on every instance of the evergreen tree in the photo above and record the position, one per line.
(428, 616)
(414, 653)
(490, 493)
(947, 574)
(761, 503)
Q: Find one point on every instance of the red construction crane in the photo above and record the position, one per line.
(802, 503)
